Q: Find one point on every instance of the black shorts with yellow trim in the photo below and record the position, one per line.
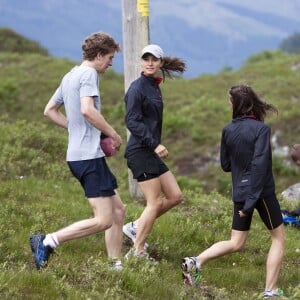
(268, 209)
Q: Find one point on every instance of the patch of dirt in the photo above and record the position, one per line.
(198, 162)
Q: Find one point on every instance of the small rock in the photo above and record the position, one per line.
(292, 193)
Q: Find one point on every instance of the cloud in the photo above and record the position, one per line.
(286, 9)
(222, 17)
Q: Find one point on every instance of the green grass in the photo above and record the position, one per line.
(196, 110)
(38, 193)
(78, 270)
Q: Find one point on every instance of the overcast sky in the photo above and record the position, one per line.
(220, 17)
(224, 32)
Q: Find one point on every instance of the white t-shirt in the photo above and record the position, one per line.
(84, 138)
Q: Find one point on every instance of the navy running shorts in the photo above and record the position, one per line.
(268, 209)
(145, 164)
(95, 177)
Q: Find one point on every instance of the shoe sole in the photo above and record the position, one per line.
(187, 279)
(186, 276)
(132, 255)
(279, 297)
(33, 242)
(128, 234)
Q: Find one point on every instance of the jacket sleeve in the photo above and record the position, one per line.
(260, 165)
(135, 121)
(224, 155)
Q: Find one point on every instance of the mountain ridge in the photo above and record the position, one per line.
(209, 35)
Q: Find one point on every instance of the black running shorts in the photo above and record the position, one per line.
(145, 164)
(268, 209)
(95, 177)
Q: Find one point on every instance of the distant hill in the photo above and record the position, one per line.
(209, 35)
(291, 44)
(196, 110)
(11, 41)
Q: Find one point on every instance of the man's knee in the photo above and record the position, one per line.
(119, 214)
(103, 223)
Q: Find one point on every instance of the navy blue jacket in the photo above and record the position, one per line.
(144, 114)
(246, 153)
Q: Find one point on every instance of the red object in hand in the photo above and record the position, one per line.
(107, 146)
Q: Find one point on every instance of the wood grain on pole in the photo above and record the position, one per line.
(135, 19)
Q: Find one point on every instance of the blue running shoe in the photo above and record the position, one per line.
(40, 252)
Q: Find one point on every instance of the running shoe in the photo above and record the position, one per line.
(191, 272)
(273, 294)
(40, 252)
(133, 253)
(115, 265)
(129, 230)
(143, 255)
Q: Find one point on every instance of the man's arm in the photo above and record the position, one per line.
(97, 120)
(52, 111)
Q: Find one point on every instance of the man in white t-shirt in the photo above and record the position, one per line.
(79, 94)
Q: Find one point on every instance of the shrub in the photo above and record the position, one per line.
(31, 149)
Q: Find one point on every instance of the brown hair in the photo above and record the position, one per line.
(246, 102)
(295, 153)
(98, 42)
(172, 65)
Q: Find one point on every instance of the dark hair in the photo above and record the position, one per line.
(246, 102)
(98, 42)
(172, 65)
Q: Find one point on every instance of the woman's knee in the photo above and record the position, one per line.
(238, 240)
(237, 245)
(176, 198)
(278, 235)
(156, 205)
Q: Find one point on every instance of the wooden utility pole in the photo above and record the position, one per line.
(135, 16)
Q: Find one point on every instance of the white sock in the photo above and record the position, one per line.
(51, 240)
(198, 263)
(118, 262)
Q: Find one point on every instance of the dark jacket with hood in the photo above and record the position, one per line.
(246, 153)
(144, 114)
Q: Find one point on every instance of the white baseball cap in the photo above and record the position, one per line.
(155, 50)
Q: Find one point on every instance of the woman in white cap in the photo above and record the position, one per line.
(144, 151)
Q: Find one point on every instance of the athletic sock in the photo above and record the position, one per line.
(51, 240)
(198, 263)
(134, 225)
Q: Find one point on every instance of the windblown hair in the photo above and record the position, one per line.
(246, 102)
(96, 43)
(172, 65)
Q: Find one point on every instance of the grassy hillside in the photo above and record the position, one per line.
(38, 193)
(196, 110)
(11, 41)
(78, 270)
